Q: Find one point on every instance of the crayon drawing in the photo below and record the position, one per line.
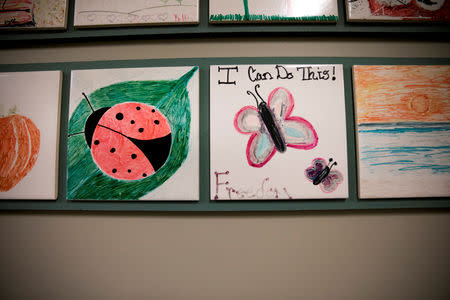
(135, 12)
(398, 10)
(268, 123)
(29, 132)
(28, 14)
(133, 134)
(273, 11)
(403, 130)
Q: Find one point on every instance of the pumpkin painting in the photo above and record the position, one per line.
(19, 148)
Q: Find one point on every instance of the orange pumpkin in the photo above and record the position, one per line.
(19, 148)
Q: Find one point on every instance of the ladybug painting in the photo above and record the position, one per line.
(128, 141)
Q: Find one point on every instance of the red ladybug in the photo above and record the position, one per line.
(129, 140)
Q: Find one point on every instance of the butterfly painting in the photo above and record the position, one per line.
(272, 128)
(320, 174)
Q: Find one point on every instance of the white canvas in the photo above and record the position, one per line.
(135, 12)
(184, 183)
(269, 11)
(35, 95)
(318, 95)
(395, 10)
(403, 124)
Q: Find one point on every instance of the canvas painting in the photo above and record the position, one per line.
(134, 134)
(29, 131)
(135, 12)
(277, 132)
(33, 14)
(403, 130)
(398, 10)
(272, 11)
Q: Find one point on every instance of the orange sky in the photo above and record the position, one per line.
(402, 93)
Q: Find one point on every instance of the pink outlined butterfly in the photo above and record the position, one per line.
(321, 174)
(271, 127)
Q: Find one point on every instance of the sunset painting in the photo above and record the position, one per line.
(403, 130)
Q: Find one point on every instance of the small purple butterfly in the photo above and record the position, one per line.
(321, 174)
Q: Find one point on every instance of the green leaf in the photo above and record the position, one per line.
(86, 181)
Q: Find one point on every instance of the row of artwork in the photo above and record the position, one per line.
(276, 132)
(52, 14)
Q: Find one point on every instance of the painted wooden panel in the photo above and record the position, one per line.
(29, 126)
(277, 132)
(133, 134)
(403, 130)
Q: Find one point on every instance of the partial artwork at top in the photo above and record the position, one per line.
(135, 12)
(273, 11)
(29, 14)
(277, 132)
(398, 10)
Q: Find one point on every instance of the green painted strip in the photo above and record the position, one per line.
(204, 204)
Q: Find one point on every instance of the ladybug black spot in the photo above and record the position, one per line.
(114, 170)
(141, 130)
(112, 150)
(133, 156)
(144, 175)
(156, 122)
(138, 108)
(96, 142)
(129, 170)
(132, 122)
(153, 110)
(119, 116)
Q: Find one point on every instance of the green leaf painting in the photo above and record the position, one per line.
(85, 181)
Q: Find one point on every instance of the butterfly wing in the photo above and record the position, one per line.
(318, 165)
(281, 102)
(247, 120)
(297, 132)
(331, 182)
(260, 147)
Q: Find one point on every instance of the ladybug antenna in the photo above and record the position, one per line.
(76, 133)
(89, 102)
(256, 99)
(257, 86)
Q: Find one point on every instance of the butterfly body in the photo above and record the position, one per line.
(321, 174)
(272, 128)
(269, 121)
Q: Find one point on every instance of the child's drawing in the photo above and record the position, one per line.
(272, 127)
(130, 136)
(295, 107)
(135, 12)
(398, 10)
(403, 130)
(19, 148)
(273, 11)
(320, 173)
(29, 132)
(50, 14)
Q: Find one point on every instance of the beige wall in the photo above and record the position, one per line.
(306, 255)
